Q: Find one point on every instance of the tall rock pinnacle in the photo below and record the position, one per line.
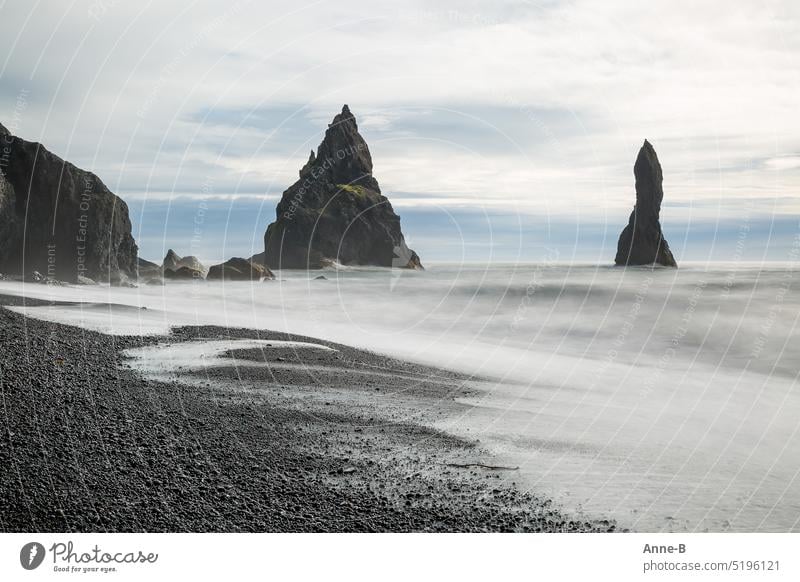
(642, 242)
(335, 212)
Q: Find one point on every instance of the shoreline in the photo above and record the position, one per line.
(93, 445)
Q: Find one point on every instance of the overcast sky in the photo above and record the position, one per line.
(497, 129)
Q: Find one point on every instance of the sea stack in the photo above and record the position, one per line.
(642, 242)
(335, 212)
(59, 220)
(191, 265)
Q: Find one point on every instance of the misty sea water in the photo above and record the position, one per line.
(666, 399)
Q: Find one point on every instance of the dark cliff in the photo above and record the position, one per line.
(58, 219)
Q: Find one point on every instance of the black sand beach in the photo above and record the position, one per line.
(320, 442)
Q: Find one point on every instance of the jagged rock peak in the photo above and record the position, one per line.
(641, 241)
(305, 170)
(335, 212)
(171, 260)
(3, 130)
(346, 119)
(343, 153)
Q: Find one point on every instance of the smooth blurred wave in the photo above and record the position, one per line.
(665, 398)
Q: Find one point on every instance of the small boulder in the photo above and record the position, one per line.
(239, 269)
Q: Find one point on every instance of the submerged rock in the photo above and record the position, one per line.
(335, 212)
(238, 269)
(59, 219)
(642, 242)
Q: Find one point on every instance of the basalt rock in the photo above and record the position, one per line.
(184, 273)
(146, 269)
(58, 219)
(335, 212)
(238, 269)
(9, 225)
(173, 262)
(642, 242)
(193, 263)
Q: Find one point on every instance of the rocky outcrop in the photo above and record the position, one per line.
(642, 242)
(258, 258)
(335, 212)
(147, 270)
(58, 219)
(193, 263)
(183, 273)
(173, 262)
(238, 269)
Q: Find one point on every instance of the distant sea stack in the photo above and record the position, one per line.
(173, 263)
(59, 220)
(641, 242)
(335, 212)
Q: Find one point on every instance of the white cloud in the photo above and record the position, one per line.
(783, 163)
(714, 86)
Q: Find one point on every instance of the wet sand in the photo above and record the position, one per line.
(272, 438)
